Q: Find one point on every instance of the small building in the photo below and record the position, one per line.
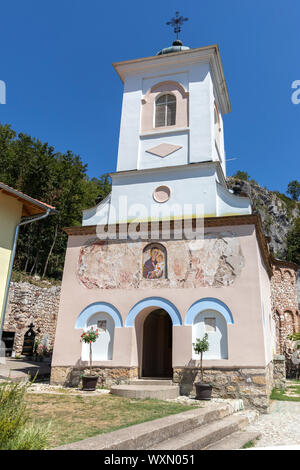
(16, 209)
(171, 253)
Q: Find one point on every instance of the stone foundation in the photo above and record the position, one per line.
(108, 376)
(253, 386)
(279, 372)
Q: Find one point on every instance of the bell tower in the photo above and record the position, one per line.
(171, 144)
(172, 109)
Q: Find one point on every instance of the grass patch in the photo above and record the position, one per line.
(295, 389)
(291, 393)
(19, 276)
(77, 417)
(248, 445)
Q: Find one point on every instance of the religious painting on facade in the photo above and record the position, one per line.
(154, 261)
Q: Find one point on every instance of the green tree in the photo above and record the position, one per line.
(293, 243)
(294, 190)
(200, 347)
(104, 187)
(241, 175)
(58, 179)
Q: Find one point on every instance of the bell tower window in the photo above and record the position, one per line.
(165, 111)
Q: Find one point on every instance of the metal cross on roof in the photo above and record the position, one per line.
(176, 23)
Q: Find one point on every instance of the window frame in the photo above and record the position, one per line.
(156, 105)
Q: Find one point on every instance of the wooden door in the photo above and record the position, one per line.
(157, 345)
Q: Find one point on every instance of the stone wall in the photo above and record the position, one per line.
(28, 303)
(108, 376)
(285, 309)
(253, 386)
(279, 372)
(298, 288)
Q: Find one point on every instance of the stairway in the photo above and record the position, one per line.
(159, 389)
(209, 427)
(208, 435)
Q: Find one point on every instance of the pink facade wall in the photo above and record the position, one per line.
(239, 287)
(269, 329)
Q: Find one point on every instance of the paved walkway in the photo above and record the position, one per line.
(280, 427)
(17, 369)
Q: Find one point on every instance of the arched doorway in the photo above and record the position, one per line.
(28, 344)
(157, 345)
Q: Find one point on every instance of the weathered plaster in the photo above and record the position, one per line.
(114, 265)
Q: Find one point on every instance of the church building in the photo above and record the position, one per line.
(171, 253)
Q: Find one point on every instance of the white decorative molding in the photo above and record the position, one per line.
(165, 130)
(163, 150)
(162, 194)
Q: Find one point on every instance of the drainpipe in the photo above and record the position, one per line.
(24, 221)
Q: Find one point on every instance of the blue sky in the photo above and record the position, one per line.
(56, 61)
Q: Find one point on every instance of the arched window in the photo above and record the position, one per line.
(103, 347)
(214, 324)
(165, 111)
(289, 322)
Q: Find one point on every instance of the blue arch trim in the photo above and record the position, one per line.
(154, 302)
(96, 308)
(208, 304)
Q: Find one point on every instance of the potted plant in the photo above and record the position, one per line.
(89, 381)
(203, 390)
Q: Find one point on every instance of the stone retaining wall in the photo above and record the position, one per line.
(279, 372)
(108, 376)
(253, 386)
(28, 303)
(285, 310)
(284, 304)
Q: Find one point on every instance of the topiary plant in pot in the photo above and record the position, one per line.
(89, 381)
(203, 390)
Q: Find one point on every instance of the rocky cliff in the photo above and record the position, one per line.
(278, 212)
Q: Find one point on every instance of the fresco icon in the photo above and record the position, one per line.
(154, 262)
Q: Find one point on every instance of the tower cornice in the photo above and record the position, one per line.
(208, 54)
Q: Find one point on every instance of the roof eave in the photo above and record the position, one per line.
(28, 201)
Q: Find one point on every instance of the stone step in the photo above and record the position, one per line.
(160, 382)
(203, 436)
(234, 441)
(141, 436)
(158, 392)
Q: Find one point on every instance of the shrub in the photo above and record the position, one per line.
(15, 431)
